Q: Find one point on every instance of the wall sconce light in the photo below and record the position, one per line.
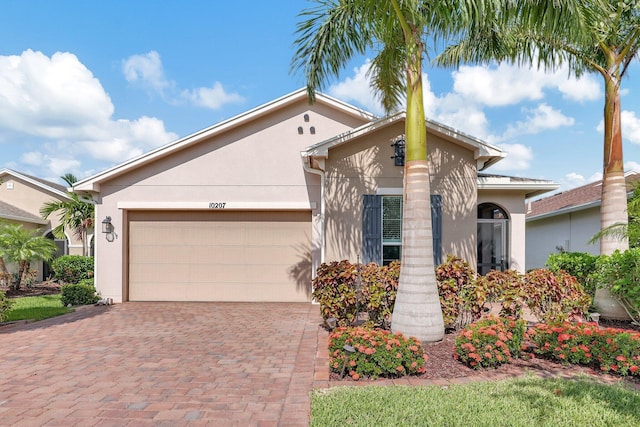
(398, 152)
(107, 229)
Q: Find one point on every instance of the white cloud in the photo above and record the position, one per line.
(518, 158)
(213, 98)
(631, 166)
(146, 69)
(574, 179)
(357, 89)
(58, 103)
(543, 117)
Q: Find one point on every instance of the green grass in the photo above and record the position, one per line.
(36, 308)
(528, 401)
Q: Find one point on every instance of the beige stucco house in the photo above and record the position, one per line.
(247, 209)
(21, 197)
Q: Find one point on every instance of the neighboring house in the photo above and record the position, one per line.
(247, 209)
(566, 221)
(21, 197)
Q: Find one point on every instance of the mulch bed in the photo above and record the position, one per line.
(44, 288)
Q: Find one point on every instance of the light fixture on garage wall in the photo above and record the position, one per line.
(107, 229)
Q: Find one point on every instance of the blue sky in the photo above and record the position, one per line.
(85, 85)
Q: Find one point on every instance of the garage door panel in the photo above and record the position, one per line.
(219, 256)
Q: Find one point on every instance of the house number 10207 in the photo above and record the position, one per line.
(217, 205)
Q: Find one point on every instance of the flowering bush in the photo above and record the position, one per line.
(490, 342)
(376, 353)
(609, 349)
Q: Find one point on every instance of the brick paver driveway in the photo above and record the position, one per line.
(161, 364)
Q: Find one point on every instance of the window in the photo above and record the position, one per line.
(382, 228)
(391, 228)
(493, 238)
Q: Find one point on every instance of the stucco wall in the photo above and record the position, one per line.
(258, 164)
(365, 166)
(571, 231)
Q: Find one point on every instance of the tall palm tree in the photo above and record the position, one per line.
(328, 37)
(75, 214)
(600, 36)
(23, 246)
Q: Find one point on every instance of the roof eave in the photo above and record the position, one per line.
(562, 211)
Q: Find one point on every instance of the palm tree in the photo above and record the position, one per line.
(23, 246)
(328, 37)
(75, 214)
(600, 36)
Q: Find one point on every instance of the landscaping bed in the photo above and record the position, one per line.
(48, 287)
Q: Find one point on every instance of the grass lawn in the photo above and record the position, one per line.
(36, 308)
(528, 401)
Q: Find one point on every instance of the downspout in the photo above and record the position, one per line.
(306, 164)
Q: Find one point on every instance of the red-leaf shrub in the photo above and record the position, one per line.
(334, 288)
(555, 297)
(610, 349)
(376, 353)
(490, 342)
(379, 289)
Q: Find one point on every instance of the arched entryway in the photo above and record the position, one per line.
(493, 238)
(62, 248)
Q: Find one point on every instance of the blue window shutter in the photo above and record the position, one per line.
(372, 229)
(436, 225)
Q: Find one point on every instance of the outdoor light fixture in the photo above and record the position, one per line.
(398, 152)
(107, 229)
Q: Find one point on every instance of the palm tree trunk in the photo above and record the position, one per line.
(417, 311)
(6, 276)
(613, 209)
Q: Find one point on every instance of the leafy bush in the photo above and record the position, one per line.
(379, 290)
(5, 304)
(72, 268)
(580, 265)
(79, 293)
(609, 349)
(376, 353)
(554, 297)
(490, 342)
(506, 287)
(454, 277)
(620, 272)
(334, 287)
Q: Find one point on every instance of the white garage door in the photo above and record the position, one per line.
(219, 256)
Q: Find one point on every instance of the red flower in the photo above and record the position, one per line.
(633, 369)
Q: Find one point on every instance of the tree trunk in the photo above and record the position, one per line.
(417, 311)
(6, 276)
(613, 209)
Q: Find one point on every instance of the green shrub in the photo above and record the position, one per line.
(610, 349)
(5, 304)
(554, 297)
(490, 342)
(79, 293)
(376, 353)
(580, 265)
(72, 268)
(620, 273)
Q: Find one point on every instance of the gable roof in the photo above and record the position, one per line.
(576, 199)
(485, 154)
(49, 186)
(13, 213)
(92, 183)
(532, 187)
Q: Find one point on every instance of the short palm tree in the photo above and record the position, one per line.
(23, 246)
(328, 37)
(75, 215)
